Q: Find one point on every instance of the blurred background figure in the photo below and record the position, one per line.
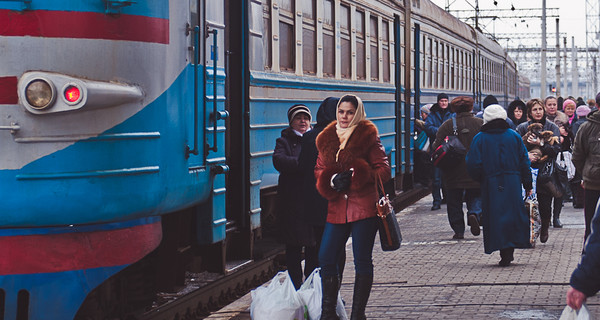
(517, 112)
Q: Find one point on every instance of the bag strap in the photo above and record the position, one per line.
(379, 187)
(454, 128)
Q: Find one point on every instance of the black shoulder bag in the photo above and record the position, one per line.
(451, 152)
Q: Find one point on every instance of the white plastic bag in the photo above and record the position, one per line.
(564, 159)
(571, 314)
(279, 300)
(311, 293)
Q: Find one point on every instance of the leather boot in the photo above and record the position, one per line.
(330, 293)
(362, 290)
(556, 220)
(544, 231)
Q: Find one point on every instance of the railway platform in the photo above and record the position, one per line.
(432, 276)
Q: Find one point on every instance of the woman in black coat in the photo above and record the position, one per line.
(294, 231)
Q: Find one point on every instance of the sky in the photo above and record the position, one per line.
(571, 14)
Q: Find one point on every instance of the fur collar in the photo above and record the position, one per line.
(364, 136)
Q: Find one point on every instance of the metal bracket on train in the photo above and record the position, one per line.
(219, 169)
(14, 127)
(114, 6)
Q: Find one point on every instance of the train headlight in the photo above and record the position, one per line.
(72, 94)
(39, 94)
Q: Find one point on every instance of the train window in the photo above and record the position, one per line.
(309, 38)
(374, 35)
(328, 39)
(424, 66)
(434, 70)
(451, 62)
(287, 48)
(346, 45)
(267, 35)
(359, 25)
(385, 50)
(442, 66)
(430, 62)
(286, 5)
(447, 62)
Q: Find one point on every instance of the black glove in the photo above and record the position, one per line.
(341, 181)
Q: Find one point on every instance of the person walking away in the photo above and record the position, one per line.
(423, 165)
(293, 229)
(575, 183)
(499, 161)
(491, 100)
(517, 112)
(586, 158)
(536, 113)
(457, 182)
(350, 160)
(311, 203)
(438, 115)
(585, 279)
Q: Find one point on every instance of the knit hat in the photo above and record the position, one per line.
(442, 96)
(426, 108)
(297, 109)
(461, 104)
(493, 112)
(489, 100)
(582, 111)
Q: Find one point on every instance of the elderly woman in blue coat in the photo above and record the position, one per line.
(499, 161)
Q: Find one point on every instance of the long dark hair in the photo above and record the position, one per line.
(517, 104)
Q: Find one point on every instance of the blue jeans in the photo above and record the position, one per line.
(334, 241)
(436, 186)
(454, 204)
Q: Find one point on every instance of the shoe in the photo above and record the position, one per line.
(544, 232)
(475, 229)
(329, 300)
(457, 236)
(556, 223)
(435, 207)
(362, 290)
(506, 256)
(504, 262)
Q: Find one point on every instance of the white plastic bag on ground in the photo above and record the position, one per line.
(279, 300)
(311, 293)
(571, 314)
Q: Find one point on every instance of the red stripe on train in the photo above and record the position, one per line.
(78, 250)
(8, 90)
(84, 25)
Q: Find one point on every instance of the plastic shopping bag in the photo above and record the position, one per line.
(311, 293)
(571, 314)
(279, 300)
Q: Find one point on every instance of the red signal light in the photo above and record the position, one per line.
(72, 94)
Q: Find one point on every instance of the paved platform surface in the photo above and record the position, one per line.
(434, 277)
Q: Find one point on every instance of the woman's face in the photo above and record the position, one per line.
(551, 106)
(301, 122)
(518, 113)
(537, 112)
(346, 113)
(570, 109)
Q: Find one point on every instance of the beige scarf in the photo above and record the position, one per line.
(345, 133)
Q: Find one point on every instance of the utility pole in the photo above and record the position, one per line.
(566, 82)
(574, 72)
(557, 60)
(543, 62)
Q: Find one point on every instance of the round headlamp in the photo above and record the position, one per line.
(39, 94)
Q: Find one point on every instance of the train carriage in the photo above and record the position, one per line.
(138, 135)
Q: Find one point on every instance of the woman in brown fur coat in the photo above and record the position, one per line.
(351, 157)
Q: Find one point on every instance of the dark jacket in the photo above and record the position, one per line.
(312, 203)
(586, 151)
(498, 160)
(292, 228)
(366, 155)
(577, 124)
(586, 277)
(436, 117)
(468, 126)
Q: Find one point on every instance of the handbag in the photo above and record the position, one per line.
(389, 230)
(422, 141)
(565, 162)
(549, 179)
(451, 152)
(535, 222)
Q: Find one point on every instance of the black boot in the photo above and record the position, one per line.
(362, 290)
(506, 256)
(330, 294)
(544, 231)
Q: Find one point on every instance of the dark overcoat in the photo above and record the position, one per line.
(498, 160)
(292, 227)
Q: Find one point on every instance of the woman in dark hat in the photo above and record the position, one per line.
(293, 229)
